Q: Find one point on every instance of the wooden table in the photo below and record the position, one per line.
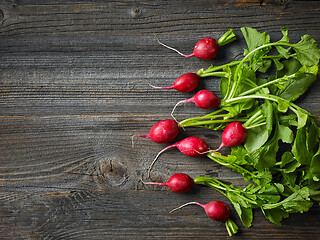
(68, 111)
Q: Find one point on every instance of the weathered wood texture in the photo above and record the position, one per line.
(68, 110)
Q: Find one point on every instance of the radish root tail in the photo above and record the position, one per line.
(132, 142)
(156, 158)
(218, 149)
(148, 84)
(174, 108)
(201, 153)
(186, 204)
(171, 48)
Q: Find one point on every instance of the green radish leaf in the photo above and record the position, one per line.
(245, 214)
(256, 39)
(278, 64)
(256, 137)
(275, 215)
(286, 158)
(297, 85)
(262, 177)
(288, 120)
(262, 65)
(283, 106)
(289, 163)
(292, 167)
(306, 140)
(269, 194)
(298, 201)
(302, 119)
(239, 154)
(289, 180)
(226, 82)
(265, 156)
(308, 52)
(284, 52)
(285, 134)
(315, 166)
(280, 187)
(299, 148)
(269, 115)
(312, 136)
(285, 38)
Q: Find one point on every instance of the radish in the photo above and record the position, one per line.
(233, 135)
(190, 146)
(163, 131)
(177, 183)
(204, 99)
(215, 210)
(185, 83)
(218, 211)
(205, 49)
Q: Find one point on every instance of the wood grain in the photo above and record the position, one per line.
(70, 102)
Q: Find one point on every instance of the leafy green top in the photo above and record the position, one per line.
(281, 155)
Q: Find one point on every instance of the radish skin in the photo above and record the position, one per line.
(190, 146)
(204, 99)
(218, 211)
(233, 135)
(162, 132)
(205, 49)
(215, 210)
(177, 183)
(185, 83)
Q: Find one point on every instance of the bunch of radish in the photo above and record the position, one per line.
(216, 210)
(167, 130)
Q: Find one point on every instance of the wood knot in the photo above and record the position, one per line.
(1, 17)
(135, 12)
(113, 172)
(275, 3)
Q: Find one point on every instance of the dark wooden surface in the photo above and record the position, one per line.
(67, 113)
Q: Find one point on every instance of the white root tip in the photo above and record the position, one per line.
(146, 83)
(142, 181)
(218, 149)
(132, 142)
(171, 48)
(156, 158)
(186, 204)
(174, 108)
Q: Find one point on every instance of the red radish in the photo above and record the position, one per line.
(163, 131)
(215, 210)
(204, 99)
(233, 135)
(205, 49)
(177, 183)
(185, 83)
(190, 146)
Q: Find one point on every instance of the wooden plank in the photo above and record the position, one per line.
(48, 71)
(130, 214)
(69, 106)
(64, 152)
